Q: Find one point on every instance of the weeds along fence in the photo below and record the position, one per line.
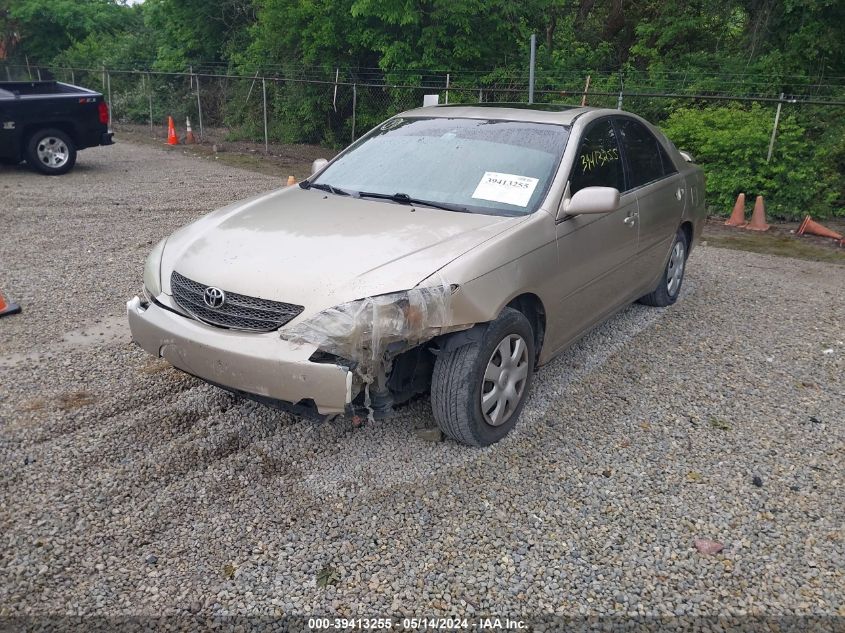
(315, 107)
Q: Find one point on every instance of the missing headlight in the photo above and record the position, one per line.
(362, 330)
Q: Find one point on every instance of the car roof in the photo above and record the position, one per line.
(533, 113)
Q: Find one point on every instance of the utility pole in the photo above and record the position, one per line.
(531, 68)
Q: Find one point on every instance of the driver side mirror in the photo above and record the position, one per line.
(592, 200)
(318, 164)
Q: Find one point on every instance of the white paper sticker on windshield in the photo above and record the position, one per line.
(506, 188)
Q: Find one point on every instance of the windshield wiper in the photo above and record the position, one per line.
(323, 187)
(404, 198)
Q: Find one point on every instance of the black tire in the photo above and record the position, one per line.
(44, 140)
(458, 381)
(662, 295)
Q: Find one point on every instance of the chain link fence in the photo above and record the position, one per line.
(315, 107)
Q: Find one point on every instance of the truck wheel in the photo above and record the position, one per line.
(669, 286)
(51, 152)
(478, 389)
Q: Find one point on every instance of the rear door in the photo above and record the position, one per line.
(660, 192)
(594, 250)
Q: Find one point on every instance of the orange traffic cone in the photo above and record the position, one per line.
(738, 216)
(814, 228)
(189, 135)
(291, 181)
(172, 139)
(758, 216)
(7, 307)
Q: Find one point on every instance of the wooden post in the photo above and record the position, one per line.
(334, 97)
(586, 88)
(266, 134)
(774, 130)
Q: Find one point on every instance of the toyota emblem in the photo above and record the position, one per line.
(214, 297)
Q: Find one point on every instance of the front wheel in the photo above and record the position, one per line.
(51, 152)
(669, 286)
(478, 390)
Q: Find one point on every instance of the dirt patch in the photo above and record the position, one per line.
(155, 366)
(780, 240)
(35, 404)
(76, 400)
(281, 160)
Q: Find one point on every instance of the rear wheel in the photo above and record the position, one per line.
(478, 390)
(51, 152)
(669, 286)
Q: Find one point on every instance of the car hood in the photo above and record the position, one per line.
(318, 250)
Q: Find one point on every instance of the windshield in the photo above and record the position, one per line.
(482, 166)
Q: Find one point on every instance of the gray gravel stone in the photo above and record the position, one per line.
(638, 440)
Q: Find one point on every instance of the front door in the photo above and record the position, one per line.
(595, 250)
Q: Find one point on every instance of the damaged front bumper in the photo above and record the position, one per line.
(260, 364)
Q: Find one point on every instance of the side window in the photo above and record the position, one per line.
(646, 157)
(598, 162)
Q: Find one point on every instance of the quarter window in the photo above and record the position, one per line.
(647, 160)
(598, 163)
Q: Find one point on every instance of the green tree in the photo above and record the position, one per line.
(44, 28)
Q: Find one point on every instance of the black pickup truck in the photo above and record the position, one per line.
(47, 122)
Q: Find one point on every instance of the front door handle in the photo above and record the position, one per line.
(631, 220)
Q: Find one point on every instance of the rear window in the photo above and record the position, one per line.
(647, 160)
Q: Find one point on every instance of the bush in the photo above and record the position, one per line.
(731, 143)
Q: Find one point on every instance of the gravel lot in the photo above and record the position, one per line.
(128, 488)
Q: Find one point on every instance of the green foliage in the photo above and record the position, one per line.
(193, 30)
(699, 46)
(47, 27)
(731, 144)
(439, 33)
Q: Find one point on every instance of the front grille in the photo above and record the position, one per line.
(238, 311)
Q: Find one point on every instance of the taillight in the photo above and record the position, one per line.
(104, 112)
